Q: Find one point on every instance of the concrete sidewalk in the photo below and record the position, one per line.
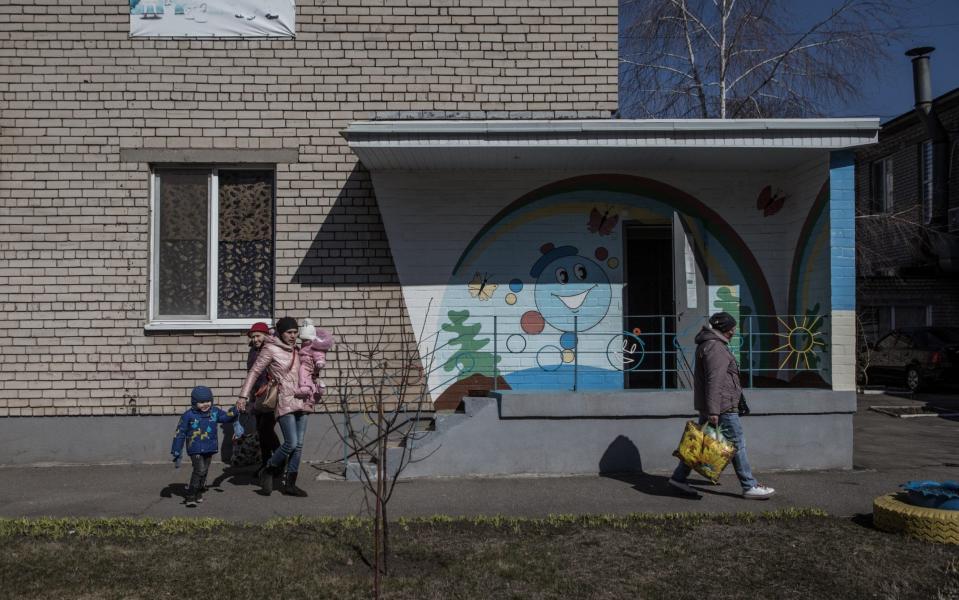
(889, 451)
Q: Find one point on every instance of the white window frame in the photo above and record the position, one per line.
(209, 322)
(925, 180)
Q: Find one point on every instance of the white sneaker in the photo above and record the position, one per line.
(684, 487)
(759, 492)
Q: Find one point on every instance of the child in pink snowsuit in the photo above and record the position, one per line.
(313, 348)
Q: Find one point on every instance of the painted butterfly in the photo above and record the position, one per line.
(770, 203)
(480, 287)
(601, 223)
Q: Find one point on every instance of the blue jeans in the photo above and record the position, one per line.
(293, 428)
(732, 428)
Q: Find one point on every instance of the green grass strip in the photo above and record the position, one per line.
(118, 527)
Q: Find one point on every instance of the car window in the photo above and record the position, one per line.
(904, 342)
(887, 342)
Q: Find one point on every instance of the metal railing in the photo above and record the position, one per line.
(646, 352)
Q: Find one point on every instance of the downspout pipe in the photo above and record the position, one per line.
(922, 88)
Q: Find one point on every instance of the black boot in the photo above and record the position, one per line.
(190, 498)
(265, 476)
(290, 489)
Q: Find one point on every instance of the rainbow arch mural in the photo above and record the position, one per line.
(810, 267)
(536, 294)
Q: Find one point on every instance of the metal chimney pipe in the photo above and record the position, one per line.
(921, 78)
(922, 88)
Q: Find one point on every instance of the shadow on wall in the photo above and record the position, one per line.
(351, 245)
(622, 456)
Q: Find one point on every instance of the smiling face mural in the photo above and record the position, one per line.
(553, 312)
(572, 292)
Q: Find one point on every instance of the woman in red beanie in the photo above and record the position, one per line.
(265, 418)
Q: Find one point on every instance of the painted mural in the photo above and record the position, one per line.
(535, 301)
(806, 335)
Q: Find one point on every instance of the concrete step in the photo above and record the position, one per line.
(355, 467)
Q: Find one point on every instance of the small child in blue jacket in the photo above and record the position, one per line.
(197, 428)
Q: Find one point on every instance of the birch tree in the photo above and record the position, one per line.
(735, 59)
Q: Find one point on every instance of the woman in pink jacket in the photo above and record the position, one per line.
(280, 358)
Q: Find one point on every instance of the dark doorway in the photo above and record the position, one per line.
(648, 306)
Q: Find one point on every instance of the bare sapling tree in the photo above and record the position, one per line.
(380, 392)
(735, 59)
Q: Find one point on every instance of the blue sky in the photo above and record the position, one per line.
(888, 92)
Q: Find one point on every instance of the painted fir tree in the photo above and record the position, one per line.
(468, 359)
(727, 300)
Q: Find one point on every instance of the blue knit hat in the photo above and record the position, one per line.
(201, 393)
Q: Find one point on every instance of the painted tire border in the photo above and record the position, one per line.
(932, 524)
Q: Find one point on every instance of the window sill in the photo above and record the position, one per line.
(242, 325)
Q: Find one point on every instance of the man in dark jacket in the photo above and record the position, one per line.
(716, 392)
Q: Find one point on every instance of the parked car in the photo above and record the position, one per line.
(916, 357)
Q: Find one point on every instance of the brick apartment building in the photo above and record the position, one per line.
(904, 277)
(445, 170)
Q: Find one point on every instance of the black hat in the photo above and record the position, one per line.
(285, 324)
(722, 321)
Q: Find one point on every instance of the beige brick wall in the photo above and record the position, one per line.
(75, 90)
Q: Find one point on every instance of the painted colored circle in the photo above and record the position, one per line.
(637, 331)
(516, 285)
(568, 356)
(516, 343)
(549, 358)
(511, 298)
(612, 263)
(532, 322)
(568, 340)
(601, 253)
(547, 247)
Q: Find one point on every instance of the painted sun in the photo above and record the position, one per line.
(801, 341)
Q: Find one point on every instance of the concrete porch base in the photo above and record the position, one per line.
(584, 433)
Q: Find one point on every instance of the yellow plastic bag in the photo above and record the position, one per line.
(705, 450)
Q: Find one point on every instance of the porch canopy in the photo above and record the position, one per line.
(609, 144)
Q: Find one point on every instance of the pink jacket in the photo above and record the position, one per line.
(313, 358)
(275, 358)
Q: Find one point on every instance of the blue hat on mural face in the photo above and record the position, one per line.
(201, 393)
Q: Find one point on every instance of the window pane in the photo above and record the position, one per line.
(246, 244)
(183, 218)
(887, 185)
(926, 182)
(910, 316)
